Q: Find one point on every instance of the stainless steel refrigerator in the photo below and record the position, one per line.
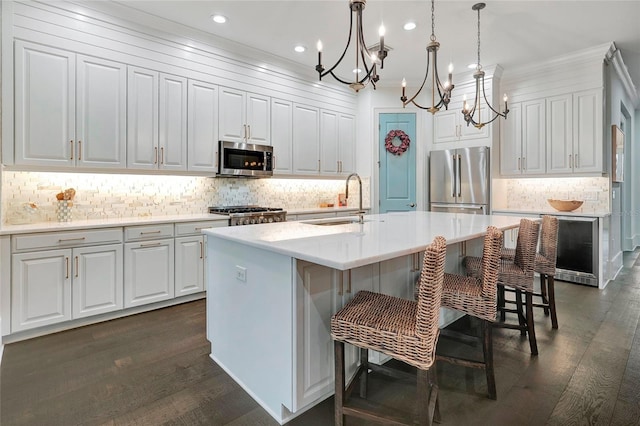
(459, 180)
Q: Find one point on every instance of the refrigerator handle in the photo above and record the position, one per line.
(455, 176)
(459, 179)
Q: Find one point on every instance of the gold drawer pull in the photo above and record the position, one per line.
(150, 244)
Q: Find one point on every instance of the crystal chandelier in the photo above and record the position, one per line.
(443, 90)
(364, 58)
(472, 115)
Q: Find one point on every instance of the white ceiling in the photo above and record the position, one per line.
(513, 32)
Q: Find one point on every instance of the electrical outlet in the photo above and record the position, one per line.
(241, 274)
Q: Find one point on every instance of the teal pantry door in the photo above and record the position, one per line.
(397, 172)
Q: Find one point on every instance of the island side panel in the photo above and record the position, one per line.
(249, 319)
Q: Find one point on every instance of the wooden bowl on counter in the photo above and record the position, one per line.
(565, 205)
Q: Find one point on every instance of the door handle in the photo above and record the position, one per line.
(411, 205)
(453, 184)
(459, 178)
(79, 150)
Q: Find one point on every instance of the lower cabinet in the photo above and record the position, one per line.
(149, 271)
(53, 286)
(189, 265)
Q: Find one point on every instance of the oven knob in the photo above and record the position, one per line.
(260, 219)
(252, 221)
(246, 221)
(278, 219)
(270, 219)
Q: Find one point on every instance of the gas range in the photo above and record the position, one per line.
(249, 215)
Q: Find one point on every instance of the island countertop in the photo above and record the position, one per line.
(380, 237)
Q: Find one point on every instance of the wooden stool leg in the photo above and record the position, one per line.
(552, 302)
(521, 318)
(434, 382)
(501, 303)
(543, 293)
(364, 365)
(339, 382)
(530, 325)
(487, 348)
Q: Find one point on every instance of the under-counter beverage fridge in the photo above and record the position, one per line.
(459, 180)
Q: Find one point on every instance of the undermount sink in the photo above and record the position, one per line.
(340, 221)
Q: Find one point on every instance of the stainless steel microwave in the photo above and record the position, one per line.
(244, 159)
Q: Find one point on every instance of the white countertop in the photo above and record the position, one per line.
(106, 223)
(381, 237)
(577, 213)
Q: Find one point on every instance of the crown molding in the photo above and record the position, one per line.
(614, 57)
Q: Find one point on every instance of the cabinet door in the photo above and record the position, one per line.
(282, 135)
(40, 289)
(559, 134)
(533, 137)
(189, 265)
(203, 126)
(347, 143)
(317, 299)
(172, 118)
(587, 131)
(231, 116)
(472, 132)
(142, 119)
(306, 140)
(45, 84)
(149, 268)
(511, 142)
(258, 119)
(97, 280)
(101, 112)
(328, 142)
(445, 126)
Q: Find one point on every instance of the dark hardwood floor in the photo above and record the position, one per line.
(153, 369)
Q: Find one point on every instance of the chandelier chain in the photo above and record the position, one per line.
(433, 21)
(478, 66)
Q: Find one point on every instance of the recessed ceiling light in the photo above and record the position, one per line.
(409, 26)
(299, 48)
(219, 19)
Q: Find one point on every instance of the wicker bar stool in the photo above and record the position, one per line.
(477, 297)
(517, 274)
(545, 266)
(406, 330)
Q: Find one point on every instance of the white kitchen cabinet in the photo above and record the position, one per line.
(337, 142)
(156, 120)
(202, 134)
(244, 117)
(449, 126)
(40, 289)
(55, 285)
(306, 139)
(522, 141)
(560, 158)
(148, 264)
(172, 137)
(282, 135)
(97, 280)
(190, 252)
(70, 110)
(574, 133)
(142, 118)
(587, 131)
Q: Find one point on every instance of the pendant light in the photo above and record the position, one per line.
(364, 58)
(443, 90)
(472, 115)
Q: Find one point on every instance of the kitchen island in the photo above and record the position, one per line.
(272, 288)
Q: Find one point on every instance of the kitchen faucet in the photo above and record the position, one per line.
(360, 211)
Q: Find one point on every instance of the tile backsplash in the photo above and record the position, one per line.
(115, 195)
(532, 194)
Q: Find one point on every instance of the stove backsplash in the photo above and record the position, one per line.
(115, 195)
(532, 194)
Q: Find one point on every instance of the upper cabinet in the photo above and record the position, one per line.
(282, 135)
(306, 139)
(156, 120)
(557, 135)
(202, 131)
(244, 117)
(522, 139)
(337, 142)
(70, 110)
